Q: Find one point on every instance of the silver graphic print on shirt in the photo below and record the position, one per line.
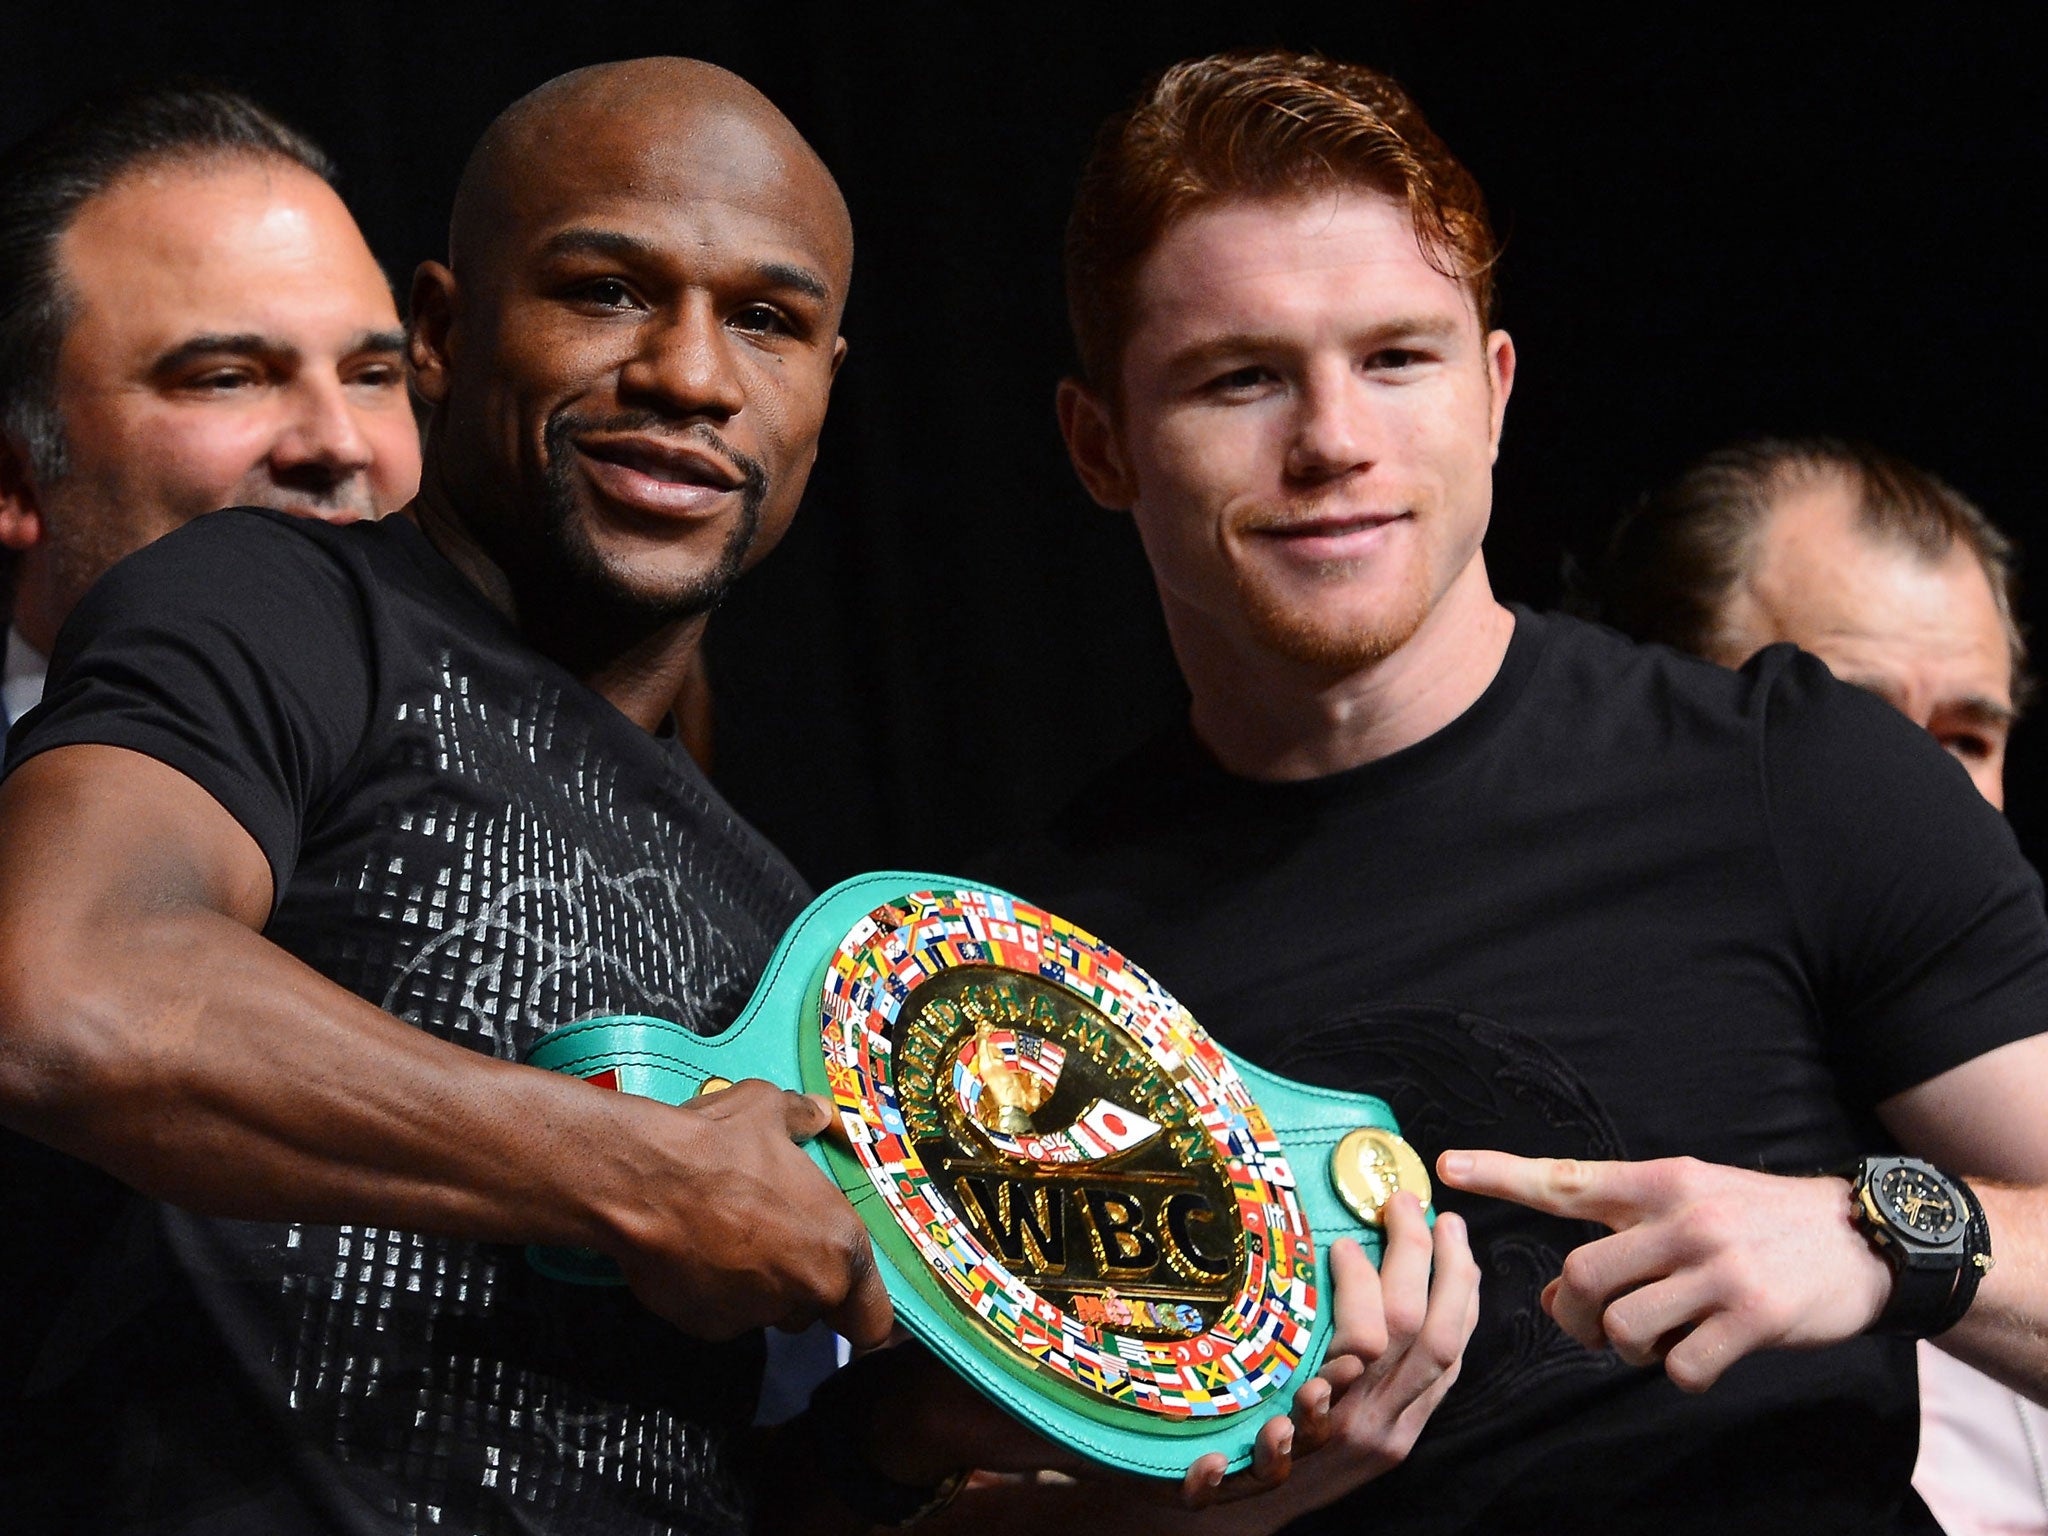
(541, 878)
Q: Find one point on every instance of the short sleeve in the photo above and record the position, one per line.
(236, 651)
(1922, 921)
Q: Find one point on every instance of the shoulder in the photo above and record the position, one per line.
(227, 555)
(1597, 667)
(1841, 738)
(242, 536)
(242, 569)
(1629, 695)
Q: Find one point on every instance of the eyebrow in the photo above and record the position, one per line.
(1975, 708)
(254, 344)
(624, 247)
(1432, 328)
(1984, 711)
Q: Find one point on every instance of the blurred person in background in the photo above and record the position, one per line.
(189, 320)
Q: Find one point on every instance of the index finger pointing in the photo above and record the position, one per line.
(1610, 1193)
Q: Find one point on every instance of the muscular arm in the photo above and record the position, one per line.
(147, 1027)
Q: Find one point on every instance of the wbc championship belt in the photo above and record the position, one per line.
(1079, 1201)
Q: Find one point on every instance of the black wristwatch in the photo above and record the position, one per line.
(1931, 1230)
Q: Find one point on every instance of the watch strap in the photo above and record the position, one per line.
(1976, 1263)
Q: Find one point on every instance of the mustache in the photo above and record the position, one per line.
(564, 424)
(1270, 517)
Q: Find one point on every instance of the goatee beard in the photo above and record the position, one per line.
(568, 589)
(1294, 628)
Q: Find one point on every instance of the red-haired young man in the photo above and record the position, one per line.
(1665, 941)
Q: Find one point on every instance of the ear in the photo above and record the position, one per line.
(1094, 446)
(429, 333)
(1500, 379)
(21, 513)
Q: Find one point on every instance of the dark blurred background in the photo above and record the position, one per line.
(1719, 220)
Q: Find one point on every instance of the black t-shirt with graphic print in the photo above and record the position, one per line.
(464, 834)
(1626, 906)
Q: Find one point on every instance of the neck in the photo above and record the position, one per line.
(640, 679)
(38, 611)
(1265, 716)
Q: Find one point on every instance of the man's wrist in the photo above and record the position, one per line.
(868, 1461)
(1929, 1229)
(590, 1165)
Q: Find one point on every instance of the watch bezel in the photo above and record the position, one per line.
(1895, 1224)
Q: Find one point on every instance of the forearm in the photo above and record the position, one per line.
(194, 1059)
(2005, 1332)
(206, 1067)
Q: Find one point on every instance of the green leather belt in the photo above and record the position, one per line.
(1105, 1221)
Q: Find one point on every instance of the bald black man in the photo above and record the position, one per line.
(320, 827)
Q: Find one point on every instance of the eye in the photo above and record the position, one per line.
(1393, 360)
(1240, 381)
(762, 320)
(379, 375)
(1969, 746)
(605, 293)
(221, 381)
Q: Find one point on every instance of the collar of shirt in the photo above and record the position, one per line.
(22, 688)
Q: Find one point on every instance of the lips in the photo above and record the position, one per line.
(668, 479)
(1330, 536)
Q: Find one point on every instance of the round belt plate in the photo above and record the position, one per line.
(1070, 1154)
(1370, 1166)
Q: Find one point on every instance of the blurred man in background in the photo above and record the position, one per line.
(1904, 587)
(189, 320)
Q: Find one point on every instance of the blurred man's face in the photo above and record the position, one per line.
(1923, 635)
(232, 342)
(1310, 413)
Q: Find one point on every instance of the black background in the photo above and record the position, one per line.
(1718, 221)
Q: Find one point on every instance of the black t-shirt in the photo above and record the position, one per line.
(1627, 905)
(464, 834)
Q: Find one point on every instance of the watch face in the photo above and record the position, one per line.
(1919, 1203)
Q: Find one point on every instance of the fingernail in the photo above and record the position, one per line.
(1286, 1446)
(1214, 1477)
(1451, 1164)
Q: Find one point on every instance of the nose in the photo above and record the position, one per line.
(1332, 428)
(322, 444)
(685, 365)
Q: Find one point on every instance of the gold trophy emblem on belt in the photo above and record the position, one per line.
(1069, 1152)
(1371, 1166)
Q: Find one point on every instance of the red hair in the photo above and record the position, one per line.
(1257, 124)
